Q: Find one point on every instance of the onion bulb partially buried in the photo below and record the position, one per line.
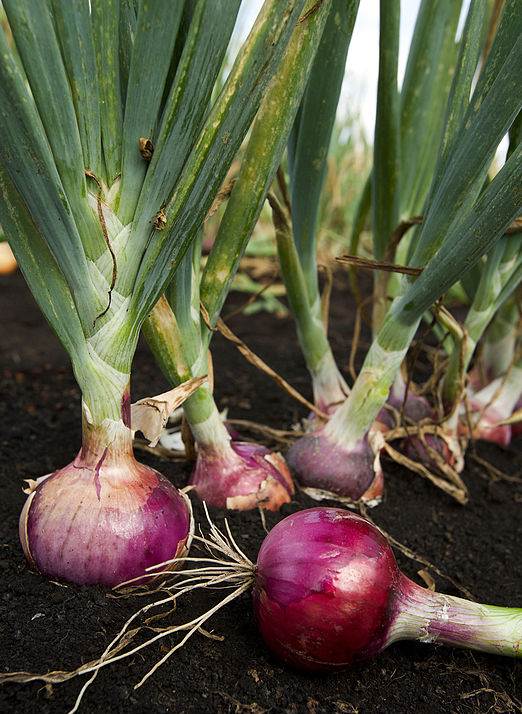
(104, 518)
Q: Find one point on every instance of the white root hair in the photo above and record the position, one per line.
(225, 566)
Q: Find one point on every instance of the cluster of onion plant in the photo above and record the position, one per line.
(433, 150)
(115, 143)
(113, 148)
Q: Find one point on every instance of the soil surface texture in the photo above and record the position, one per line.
(47, 626)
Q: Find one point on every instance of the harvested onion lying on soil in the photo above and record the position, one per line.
(327, 593)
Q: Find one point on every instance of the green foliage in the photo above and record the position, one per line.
(386, 147)
(97, 230)
(312, 132)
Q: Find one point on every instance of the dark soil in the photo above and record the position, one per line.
(46, 626)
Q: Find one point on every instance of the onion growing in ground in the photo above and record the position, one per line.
(228, 473)
(328, 593)
(238, 474)
(104, 518)
(107, 172)
(443, 175)
(406, 408)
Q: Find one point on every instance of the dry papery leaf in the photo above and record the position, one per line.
(259, 363)
(151, 414)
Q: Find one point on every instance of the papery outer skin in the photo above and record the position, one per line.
(103, 525)
(487, 427)
(242, 476)
(321, 463)
(323, 593)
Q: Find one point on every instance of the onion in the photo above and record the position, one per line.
(328, 593)
(324, 464)
(241, 475)
(415, 409)
(104, 518)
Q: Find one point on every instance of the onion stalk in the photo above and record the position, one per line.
(296, 237)
(230, 473)
(433, 45)
(107, 171)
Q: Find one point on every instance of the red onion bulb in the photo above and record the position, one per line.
(240, 475)
(103, 519)
(328, 593)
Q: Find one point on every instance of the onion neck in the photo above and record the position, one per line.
(110, 438)
(370, 391)
(433, 617)
(329, 386)
(206, 423)
(299, 273)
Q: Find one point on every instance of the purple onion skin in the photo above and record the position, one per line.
(487, 428)
(321, 463)
(241, 477)
(324, 588)
(103, 523)
(415, 409)
(328, 593)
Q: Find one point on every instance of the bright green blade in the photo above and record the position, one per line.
(486, 121)
(184, 297)
(187, 102)
(128, 17)
(34, 34)
(312, 133)
(508, 32)
(469, 55)
(26, 158)
(386, 146)
(218, 142)
(260, 161)
(468, 240)
(106, 22)
(424, 93)
(156, 30)
(73, 22)
(39, 267)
